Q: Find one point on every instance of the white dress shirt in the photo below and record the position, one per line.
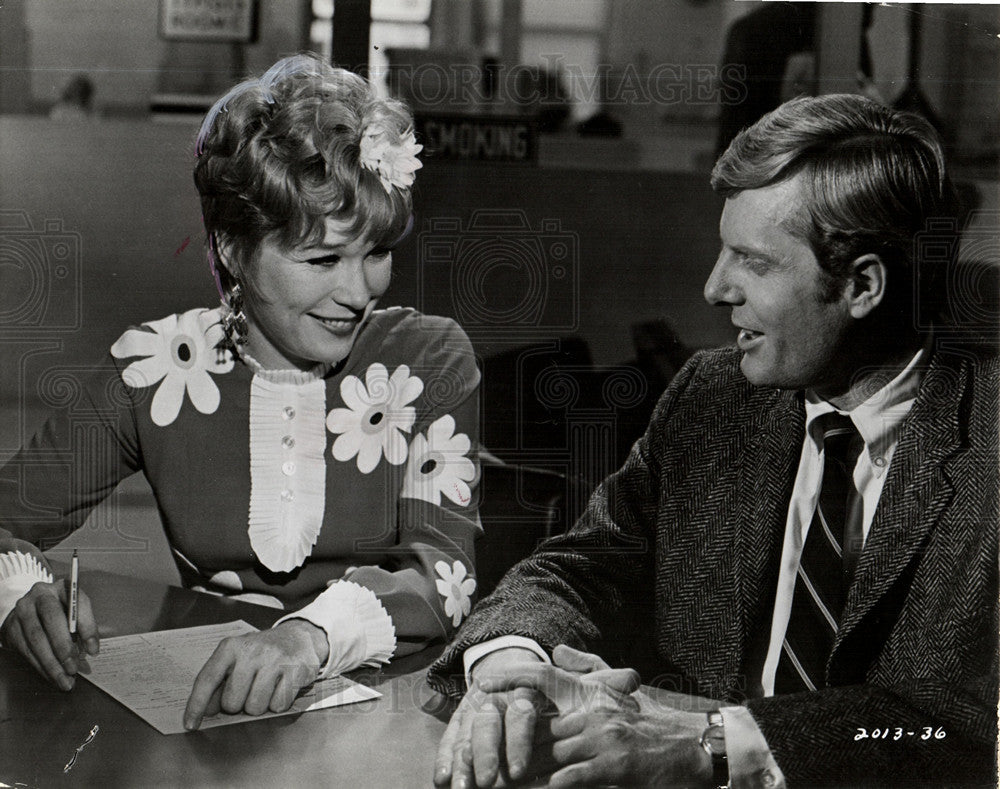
(878, 420)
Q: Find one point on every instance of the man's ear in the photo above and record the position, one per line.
(866, 286)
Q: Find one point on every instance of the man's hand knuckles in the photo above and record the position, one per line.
(475, 692)
(628, 702)
(630, 679)
(522, 705)
(490, 708)
(486, 763)
(543, 674)
(459, 749)
(616, 729)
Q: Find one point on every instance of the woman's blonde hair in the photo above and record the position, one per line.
(278, 155)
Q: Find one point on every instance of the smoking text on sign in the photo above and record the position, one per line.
(485, 139)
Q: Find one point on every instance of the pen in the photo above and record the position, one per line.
(74, 592)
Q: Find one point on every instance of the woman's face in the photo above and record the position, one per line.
(306, 304)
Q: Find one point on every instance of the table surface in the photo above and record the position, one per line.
(390, 741)
(386, 742)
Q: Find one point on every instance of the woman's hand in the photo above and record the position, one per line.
(257, 672)
(38, 629)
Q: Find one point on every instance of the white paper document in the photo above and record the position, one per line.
(152, 674)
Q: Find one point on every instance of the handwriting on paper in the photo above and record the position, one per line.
(152, 674)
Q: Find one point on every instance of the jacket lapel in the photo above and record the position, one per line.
(916, 492)
(722, 651)
(766, 478)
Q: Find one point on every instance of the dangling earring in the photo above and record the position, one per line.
(234, 320)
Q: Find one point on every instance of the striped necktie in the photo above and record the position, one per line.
(827, 563)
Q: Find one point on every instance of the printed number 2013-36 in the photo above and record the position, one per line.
(898, 733)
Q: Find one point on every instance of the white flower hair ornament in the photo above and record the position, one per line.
(394, 162)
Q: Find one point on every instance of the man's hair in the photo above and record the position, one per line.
(280, 154)
(876, 176)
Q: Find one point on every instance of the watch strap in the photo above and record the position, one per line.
(710, 743)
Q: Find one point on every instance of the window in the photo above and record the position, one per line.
(321, 29)
(567, 36)
(396, 23)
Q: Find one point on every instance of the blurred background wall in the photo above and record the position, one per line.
(587, 258)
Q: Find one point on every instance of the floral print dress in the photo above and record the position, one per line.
(346, 496)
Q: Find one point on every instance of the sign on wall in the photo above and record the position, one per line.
(490, 138)
(209, 20)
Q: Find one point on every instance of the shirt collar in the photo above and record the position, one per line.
(314, 373)
(877, 418)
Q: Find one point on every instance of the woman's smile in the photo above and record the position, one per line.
(340, 326)
(306, 305)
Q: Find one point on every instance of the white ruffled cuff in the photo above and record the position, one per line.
(18, 573)
(359, 631)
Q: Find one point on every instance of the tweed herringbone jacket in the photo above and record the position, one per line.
(673, 569)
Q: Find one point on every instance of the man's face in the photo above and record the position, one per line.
(790, 337)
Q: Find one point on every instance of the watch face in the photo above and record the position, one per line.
(715, 739)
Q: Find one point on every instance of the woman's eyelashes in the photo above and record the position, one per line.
(333, 259)
(324, 260)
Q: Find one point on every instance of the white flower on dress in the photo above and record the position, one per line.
(456, 590)
(180, 351)
(438, 464)
(393, 162)
(377, 414)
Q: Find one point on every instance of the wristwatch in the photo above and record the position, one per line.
(713, 740)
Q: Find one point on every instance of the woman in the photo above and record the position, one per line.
(306, 450)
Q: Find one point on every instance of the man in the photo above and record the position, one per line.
(807, 532)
